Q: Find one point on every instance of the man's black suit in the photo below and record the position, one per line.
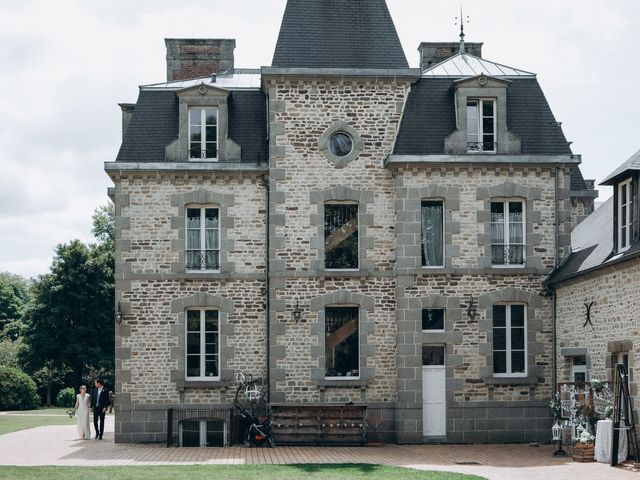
(100, 403)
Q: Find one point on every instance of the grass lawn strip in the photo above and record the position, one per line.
(20, 420)
(40, 411)
(13, 423)
(229, 472)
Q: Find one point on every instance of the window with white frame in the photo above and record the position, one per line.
(507, 232)
(509, 340)
(433, 319)
(342, 342)
(203, 133)
(624, 214)
(341, 236)
(202, 251)
(481, 125)
(203, 345)
(432, 233)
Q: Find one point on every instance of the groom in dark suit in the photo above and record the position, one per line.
(100, 402)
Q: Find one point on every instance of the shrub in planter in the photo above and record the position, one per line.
(17, 390)
(66, 398)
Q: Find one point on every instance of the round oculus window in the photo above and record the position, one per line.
(340, 144)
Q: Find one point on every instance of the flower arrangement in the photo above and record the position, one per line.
(586, 438)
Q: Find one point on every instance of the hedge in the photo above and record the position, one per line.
(17, 390)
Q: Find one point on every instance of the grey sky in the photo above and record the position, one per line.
(66, 64)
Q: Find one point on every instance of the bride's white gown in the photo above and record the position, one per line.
(82, 415)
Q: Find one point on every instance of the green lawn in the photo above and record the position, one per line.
(20, 420)
(228, 472)
(40, 411)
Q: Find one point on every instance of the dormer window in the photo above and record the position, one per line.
(481, 119)
(481, 125)
(203, 119)
(203, 134)
(624, 215)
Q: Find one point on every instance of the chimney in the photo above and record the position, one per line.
(433, 53)
(198, 57)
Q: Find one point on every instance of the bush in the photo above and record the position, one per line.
(17, 390)
(66, 398)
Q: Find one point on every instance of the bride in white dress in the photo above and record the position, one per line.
(83, 405)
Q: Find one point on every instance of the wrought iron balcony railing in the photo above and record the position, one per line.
(202, 259)
(479, 147)
(507, 255)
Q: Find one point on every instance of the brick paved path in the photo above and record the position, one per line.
(58, 445)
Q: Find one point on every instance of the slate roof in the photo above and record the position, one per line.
(429, 117)
(154, 125)
(338, 34)
(577, 180)
(633, 163)
(467, 65)
(592, 246)
(236, 79)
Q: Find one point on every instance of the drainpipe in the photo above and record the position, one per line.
(554, 372)
(267, 303)
(556, 194)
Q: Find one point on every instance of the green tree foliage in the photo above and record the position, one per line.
(70, 318)
(104, 224)
(17, 390)
(48, 376)
(10, 352)
(14, 296)
(66, 398)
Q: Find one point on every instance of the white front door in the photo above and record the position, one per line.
(434, 406)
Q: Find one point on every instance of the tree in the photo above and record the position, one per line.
(49, 375)
(10, 352)
(104, 224)
(70, 319)
(14, 296)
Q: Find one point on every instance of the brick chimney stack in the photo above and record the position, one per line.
(432, 53)
(198, 57)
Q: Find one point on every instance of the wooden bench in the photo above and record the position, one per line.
(319, 424)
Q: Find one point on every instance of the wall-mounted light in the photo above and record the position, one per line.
(118, 314)
(471, 309)
(297, 313)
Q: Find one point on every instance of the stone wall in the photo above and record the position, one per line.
(615, 293)
(154, 291)
(474, 397)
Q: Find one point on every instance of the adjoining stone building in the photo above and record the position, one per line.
(358, 231)
(598, 288)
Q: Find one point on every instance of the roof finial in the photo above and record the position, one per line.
(461, 19)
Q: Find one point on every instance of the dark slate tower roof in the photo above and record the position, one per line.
(338, 34)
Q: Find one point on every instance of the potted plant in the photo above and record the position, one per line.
(584, 448)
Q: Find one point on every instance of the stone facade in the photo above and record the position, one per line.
(614, 325)
(305, 111)
(154, 292)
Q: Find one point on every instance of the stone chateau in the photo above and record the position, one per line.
(357, 231)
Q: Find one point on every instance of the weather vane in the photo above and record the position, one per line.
(461, 20)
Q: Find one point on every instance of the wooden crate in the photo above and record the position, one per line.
(319, 424)
(582, 453)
